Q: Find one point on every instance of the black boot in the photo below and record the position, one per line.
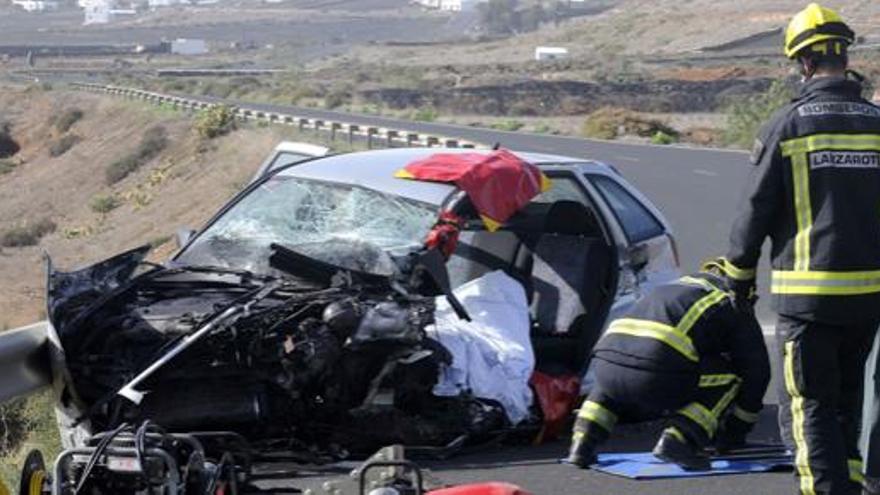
(582, 453)
(675, 448)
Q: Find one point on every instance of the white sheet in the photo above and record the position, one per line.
(492, 354)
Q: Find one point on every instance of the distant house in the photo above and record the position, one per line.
(183, 46)
(550, 53)
(36, 5)
(447, 5)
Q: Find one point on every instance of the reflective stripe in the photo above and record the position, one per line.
(732, 271)
(825, 283)
(802, 450)
(670, 336)
(725, 400)
(699, 414)
(817, 142)
(803, 211)
(695, 281)
(707, 381)
(856, 470)
(743, 415)
(676, 433)
(597, 413)
(697, 309)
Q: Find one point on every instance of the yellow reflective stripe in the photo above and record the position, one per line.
(676, 433)
(697, 309)
(856, 470)
(729, 269)
(817, 142)
(725, 400)
(699, 414)
(699, 282)
(597, 413)
(653, 330)
(825, 283)
(802, 450)
(707, 381)
(743, 415)
(803, 211)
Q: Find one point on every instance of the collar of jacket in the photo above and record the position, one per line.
(837, 85)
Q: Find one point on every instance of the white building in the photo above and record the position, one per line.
(183, 46)
(550, 53)
(36, 5)
(447, 5)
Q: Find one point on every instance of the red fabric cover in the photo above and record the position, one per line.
(557, 396)
(491, 488)
(498, 183)
(444, 235)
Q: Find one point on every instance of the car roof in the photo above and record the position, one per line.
(375, 170)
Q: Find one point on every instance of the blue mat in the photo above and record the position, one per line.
(644, 466)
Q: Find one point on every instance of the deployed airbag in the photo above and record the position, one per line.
(492, 355)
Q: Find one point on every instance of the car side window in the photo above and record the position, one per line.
(638, 223)
(563, 189)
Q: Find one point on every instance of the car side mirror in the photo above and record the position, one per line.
(183, 236)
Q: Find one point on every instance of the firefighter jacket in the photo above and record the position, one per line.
(815, 191)
(677, 324)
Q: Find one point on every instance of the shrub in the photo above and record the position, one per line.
(425, 114)
(661, 137)
(104, 203)
(152, 143)
(63, 145)
(215, 121)
(336, 99)
(508, 125)
(745, 118)
(64, 121)
(27, 234)
(8, 145)
(7, 166)
(25, 424)
(609, 123)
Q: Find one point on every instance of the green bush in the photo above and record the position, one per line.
(7, 166)
(66, 119)
(610, 123)
(104, 203)
(336, 99)
(508, 125)
(63, 145)
(661, 137)
(152, 143)
(25, 424)
(745, 118)
(425, 114)
(27, 234)
(8, 145)
(215, 121)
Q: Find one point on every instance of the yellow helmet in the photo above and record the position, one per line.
(813, 25)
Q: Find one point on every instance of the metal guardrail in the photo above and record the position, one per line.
(373, 135)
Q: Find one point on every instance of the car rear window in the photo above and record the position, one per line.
(638, 222)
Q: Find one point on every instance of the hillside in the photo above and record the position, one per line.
(181, 185)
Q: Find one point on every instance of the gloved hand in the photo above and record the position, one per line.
(731, 434)
(745, 294)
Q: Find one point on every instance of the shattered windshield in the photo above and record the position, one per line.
(344, 225)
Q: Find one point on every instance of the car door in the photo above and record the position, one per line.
(647, 249)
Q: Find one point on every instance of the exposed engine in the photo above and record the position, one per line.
(339, 367)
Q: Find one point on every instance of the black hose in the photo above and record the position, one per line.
(99, 451)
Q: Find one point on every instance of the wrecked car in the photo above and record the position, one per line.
(313, 313)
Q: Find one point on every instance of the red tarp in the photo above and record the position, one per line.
(498, 183)
(491, 488)
(557, 396)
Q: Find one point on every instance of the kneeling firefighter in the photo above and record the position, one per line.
(688, 351)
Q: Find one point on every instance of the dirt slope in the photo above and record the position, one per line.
(182, 186)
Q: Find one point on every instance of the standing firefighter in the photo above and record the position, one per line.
(815, 192)
(684, 351)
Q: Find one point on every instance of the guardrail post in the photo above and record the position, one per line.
(351, 130)
(371, 131)
(451, 143)
(390, 135)
(301, 123)
(431, 141)
(318, 125)
(411, 138)
(334, 126)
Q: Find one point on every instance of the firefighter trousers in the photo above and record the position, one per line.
(821, 400)
(694, 401)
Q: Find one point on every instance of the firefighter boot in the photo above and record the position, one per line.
(582, 453)
(676, 448)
